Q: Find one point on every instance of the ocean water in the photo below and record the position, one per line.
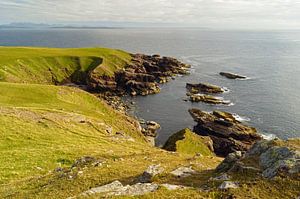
(269, 100)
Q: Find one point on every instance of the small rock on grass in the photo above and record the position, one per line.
(228, 185)
(151, 171)
(183, 172)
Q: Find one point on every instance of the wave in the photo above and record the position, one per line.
(240, 118)
(225, 89)
(268, 136)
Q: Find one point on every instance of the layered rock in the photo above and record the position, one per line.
(140, 77)
(228, 134)
(187, 142)
(232, 75)
(149, 130)
(203, 88)
(207, 99)
(270, 158)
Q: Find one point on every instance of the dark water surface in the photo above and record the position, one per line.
(270, 99)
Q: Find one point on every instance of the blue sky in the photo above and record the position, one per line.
(279, 14)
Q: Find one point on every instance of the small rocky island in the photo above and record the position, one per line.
(200, 93)
(232, 75)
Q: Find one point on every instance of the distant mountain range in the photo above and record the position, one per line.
(88, 25)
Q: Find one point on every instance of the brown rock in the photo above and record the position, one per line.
(232, 75)
(228, 134)
(207, 99)
(203, 88)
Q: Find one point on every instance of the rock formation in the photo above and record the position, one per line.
(228, 134)
(270, 158)
(140, 77)
(232, 75)
(207, 99)
(203, 88)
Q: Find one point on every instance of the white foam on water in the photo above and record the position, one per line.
(268, 136)
(240, 118)
(225, 89)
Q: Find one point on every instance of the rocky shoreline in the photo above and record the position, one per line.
(141, 77)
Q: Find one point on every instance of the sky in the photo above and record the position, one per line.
(253, 14)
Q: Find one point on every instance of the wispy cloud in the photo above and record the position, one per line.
(222, 13)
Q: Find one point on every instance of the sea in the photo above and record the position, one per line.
(269, 99)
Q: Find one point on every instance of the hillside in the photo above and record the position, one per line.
(60, 142)
(50, 65)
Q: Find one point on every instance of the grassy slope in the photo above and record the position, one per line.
(42, 128)
(45, 65)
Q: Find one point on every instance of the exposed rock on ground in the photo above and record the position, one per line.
(117, 189)
(228, 134)
(232, 75)
(187, 142)
(207, 99)
(141, 77)
(223, 177)
(172, 187)
(149, 130)
(151, 171)
(229, 161)
(203, 88)
(228, 185)
(270, 158)
(182, 172)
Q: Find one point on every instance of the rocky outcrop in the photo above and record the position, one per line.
(150, 172)
(149, 130)
(140, 77)
(203, 88)
(232, 75)
(187, 142)
(228, 134)
(228, 185)
(183, 172)
(207, 99)
(116, 188)
(270, 158)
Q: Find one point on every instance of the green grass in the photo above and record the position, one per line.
(187, 142)
(43, 127)
(52, 65)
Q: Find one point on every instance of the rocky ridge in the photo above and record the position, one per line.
(141, 77)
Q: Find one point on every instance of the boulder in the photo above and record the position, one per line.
(203, 88)
(151, 171)
(229, 185)
(182, 172)
(228, 135)
(187, 142)
(232, 75)
(229, 161)
(150, 128)
(270, 158)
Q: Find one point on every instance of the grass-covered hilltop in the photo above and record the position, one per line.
(58, 141)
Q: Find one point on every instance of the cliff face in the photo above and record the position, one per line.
(140, 77)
